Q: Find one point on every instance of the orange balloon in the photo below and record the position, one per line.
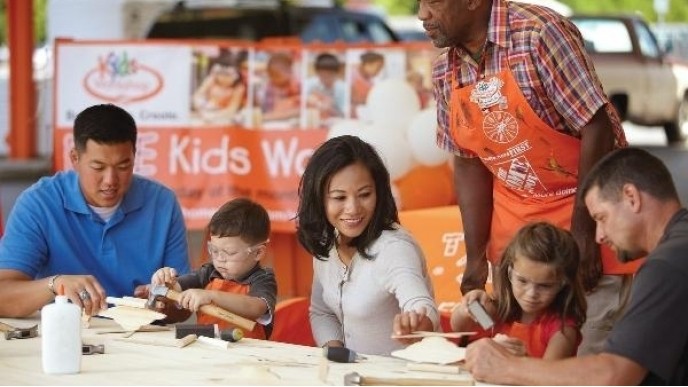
(424, 187)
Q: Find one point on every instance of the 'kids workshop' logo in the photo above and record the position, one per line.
(118, 78)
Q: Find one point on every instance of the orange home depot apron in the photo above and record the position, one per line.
(229, 287)
(535, 167)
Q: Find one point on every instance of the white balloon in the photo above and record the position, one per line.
(392, 146)
(344, 127)
(397, 196)
(392, 102)
(421, 136)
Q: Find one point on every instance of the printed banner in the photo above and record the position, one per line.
(218, 120)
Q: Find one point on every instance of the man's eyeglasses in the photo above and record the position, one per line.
(222, 255)
(522, 283)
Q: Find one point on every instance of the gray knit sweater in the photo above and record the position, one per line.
(357, 305)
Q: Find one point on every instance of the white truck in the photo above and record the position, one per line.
(647, 87)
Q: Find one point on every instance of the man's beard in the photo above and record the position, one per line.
(441, 41)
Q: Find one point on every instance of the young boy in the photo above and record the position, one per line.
(234, 279)
(326, 91)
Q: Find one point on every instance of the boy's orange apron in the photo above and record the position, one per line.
(230, 287)
(535, 167)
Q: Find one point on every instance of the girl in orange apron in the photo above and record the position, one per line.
(539, 303)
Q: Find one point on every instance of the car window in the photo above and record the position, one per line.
(212, 24)
(364, 30)
(321, 28)
(646, 41)
(606, 36)
(310, 24)
(379, 32)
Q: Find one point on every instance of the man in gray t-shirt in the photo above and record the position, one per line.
(631, 197)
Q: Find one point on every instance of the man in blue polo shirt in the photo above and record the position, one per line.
(93, 232)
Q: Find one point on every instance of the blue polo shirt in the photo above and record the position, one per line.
(51, 230)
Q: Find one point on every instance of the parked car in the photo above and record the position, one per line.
(647, 87)
(673, 38)
(255, 21)
(408, 28)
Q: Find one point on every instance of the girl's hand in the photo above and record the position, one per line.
(164, 276)
(515, 346)
(193, 299)
(476, 294)
(462, 310)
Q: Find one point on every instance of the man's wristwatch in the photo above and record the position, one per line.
(51, 284)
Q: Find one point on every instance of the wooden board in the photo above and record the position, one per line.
(131, 318)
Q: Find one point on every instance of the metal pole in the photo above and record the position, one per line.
(22, 105)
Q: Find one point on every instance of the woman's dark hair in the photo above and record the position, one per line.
(314, 231)
(105, 124)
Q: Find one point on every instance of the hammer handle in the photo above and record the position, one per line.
(216, 311)
(373, 381)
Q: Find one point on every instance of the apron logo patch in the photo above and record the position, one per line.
(500, 127)
(488, 93)
(519, 175)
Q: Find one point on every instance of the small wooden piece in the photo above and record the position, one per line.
(127, 301)
(214, 342)
(323, 369)
(437, 350)
(425, 367)
(423, 334)
(85, 320)
(145, 328)
(130, 318)
(178, 343)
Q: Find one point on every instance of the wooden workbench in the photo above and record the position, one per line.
(243, 363)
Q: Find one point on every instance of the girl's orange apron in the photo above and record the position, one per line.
(535, 167)
(530, 334)
(230, 287)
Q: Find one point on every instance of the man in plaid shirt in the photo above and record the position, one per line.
(521, 108)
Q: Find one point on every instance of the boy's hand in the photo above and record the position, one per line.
(164, 276)
(193, 299)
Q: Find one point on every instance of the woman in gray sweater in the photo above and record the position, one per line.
(367, 269)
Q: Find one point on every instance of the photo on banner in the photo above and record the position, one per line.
(259, 146)
(277, 88)
(419, 74)
(220, 86)
(367, 67)
(325, 100)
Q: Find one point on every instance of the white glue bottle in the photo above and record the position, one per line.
(61, 336)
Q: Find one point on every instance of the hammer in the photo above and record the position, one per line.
(18, 333)
(355, 379)
(158, 291)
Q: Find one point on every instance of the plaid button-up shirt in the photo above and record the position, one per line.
(548, 60)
